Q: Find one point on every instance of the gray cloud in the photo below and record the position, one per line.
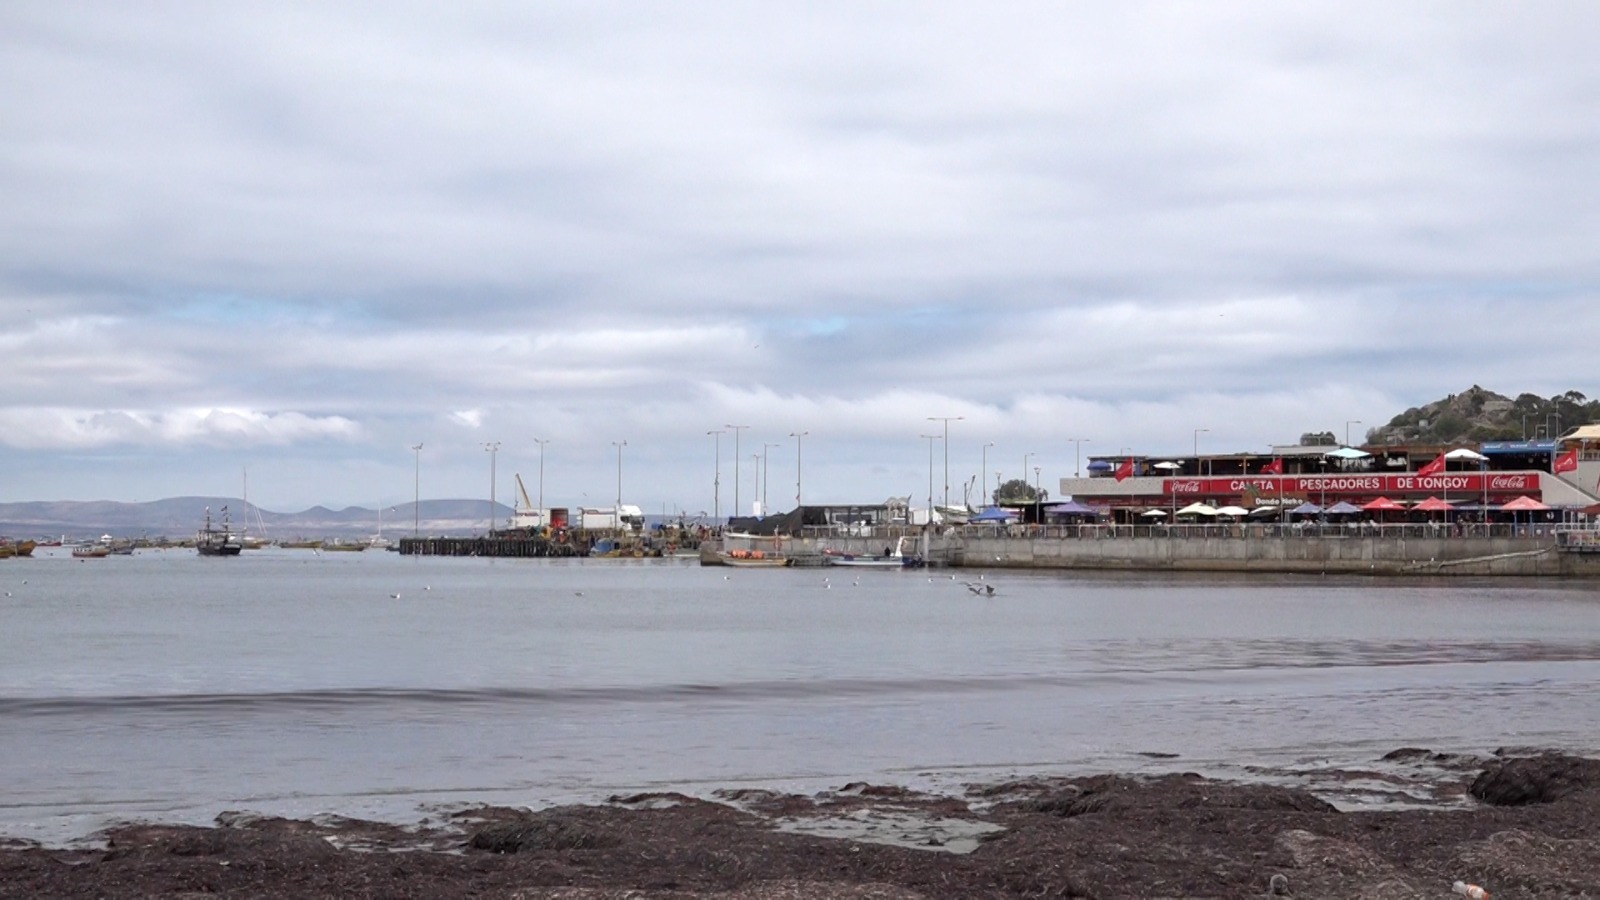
(311, 235)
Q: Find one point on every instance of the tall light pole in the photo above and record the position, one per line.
(766, 469)
(1036, 484)
(619, 445)
(983, 475)
(1347, 430)
(798, 437)
(1025, 458)
(1077, 456)
(492, 447)
(946, 420)
(544, 518)
(1197, 449)
(755, 484)
(737, 430)
(930, 438)
(416, 488)
(716, 477)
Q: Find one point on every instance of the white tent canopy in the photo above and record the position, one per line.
(1197, 509)
(1232, 511)
(1464, 453)
(1347, 453)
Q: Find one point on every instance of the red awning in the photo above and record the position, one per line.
(1434, 504)
(1382, 504)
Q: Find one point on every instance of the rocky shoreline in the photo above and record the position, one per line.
(1517, 824)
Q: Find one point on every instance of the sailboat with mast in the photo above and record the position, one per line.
(217, 541)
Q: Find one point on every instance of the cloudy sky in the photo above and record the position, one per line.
(294, 240)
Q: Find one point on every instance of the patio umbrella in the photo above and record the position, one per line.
(1343, 508)
(1347, 453)
(1382, 504)
(1434, 504)
(1232, 511)
(1153, 514)
(1197, 509)
(1306, 509)
(1524, 504)
(1168, 466)
(1464, 453)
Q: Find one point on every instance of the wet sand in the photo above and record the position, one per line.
(1518, 824)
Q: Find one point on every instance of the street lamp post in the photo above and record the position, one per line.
(416, 501)
(798, 437)
(737, 430)
(1077, 456)
(1025, 458)
(755, 484)
(983, 473)
(619, 445)
(492, 447)
(716, 477)
(1036, 485)
(1347, 430)
(544, 516)
(1197, 432)
(946, 420)
(766, 469)
(930, 438)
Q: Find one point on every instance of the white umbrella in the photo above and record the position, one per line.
(1464, 453)
(1169, 466)
(1233, 511)
(1197, 509)
(1153, 514)
(1347, 453)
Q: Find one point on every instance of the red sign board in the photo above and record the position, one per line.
(1461, 483)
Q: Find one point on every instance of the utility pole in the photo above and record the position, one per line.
(946, 420)
(544, 518)
(737, 430)
(416, 502)
(716, 478)
(798, 437)
(492, 447)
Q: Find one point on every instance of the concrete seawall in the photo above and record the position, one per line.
(1392, 551)
(1374, 555)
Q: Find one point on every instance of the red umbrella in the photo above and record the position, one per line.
(1434, 504)
(1382, 504)
(1524, 504)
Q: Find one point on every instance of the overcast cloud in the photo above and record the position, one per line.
(300, 238)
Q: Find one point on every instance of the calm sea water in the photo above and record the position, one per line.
(170, 687)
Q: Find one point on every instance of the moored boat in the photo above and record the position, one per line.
(891, 558)
(217, 541)
(91, 551)
(753, 559)
(10, 548)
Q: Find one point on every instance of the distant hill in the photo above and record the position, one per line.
(1477, 414)
(178, 517)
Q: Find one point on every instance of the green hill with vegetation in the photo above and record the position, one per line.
(1481, 415)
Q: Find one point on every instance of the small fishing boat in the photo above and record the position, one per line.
(91, 551)
(891, 558)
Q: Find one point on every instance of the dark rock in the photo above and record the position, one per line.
(1545, 778)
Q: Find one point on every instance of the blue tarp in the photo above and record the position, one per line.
(1070, 508)
(994, 514)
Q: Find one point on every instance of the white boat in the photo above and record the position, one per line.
(890, 559)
